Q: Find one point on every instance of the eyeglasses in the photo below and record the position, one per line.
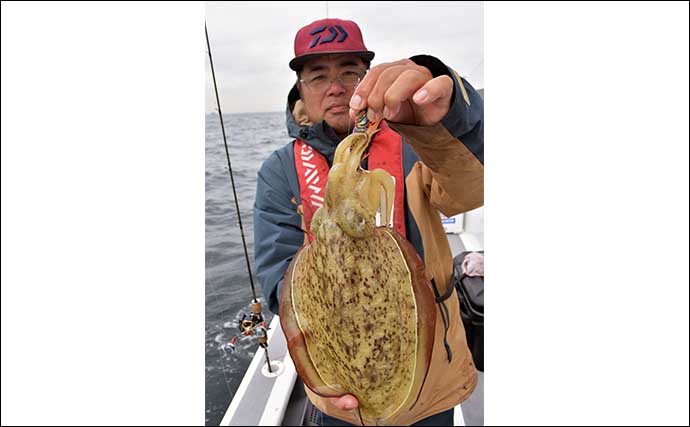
(321, 82)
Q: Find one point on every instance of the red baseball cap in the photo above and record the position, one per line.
(328, 36)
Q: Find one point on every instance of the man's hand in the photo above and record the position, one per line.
(345, 402)
(403, 92)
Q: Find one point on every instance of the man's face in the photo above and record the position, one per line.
(326, 97)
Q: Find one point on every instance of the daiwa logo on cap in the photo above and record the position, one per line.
(332, 37)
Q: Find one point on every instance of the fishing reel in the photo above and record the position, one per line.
(250, 325)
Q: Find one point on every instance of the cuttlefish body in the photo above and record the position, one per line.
(355, 306)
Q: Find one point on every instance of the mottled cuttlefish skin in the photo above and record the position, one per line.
(352, 313)
(357, 310)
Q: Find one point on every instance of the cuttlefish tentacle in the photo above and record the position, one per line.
(381, 180)
(353, 194)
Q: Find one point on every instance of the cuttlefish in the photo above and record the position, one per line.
(355, 306)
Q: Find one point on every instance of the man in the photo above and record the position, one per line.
(437, 120)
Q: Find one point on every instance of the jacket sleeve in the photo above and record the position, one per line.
(277, 232)
(452, 151)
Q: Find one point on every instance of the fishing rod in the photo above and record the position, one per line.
(254, 324)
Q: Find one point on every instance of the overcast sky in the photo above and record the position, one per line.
(252, 43)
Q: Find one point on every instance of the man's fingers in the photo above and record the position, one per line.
(401, 90)
(353, 114)
(435, 89)
(386, 79)
(362, 91)
(345, 402)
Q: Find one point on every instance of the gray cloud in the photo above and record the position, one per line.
(252, 43)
